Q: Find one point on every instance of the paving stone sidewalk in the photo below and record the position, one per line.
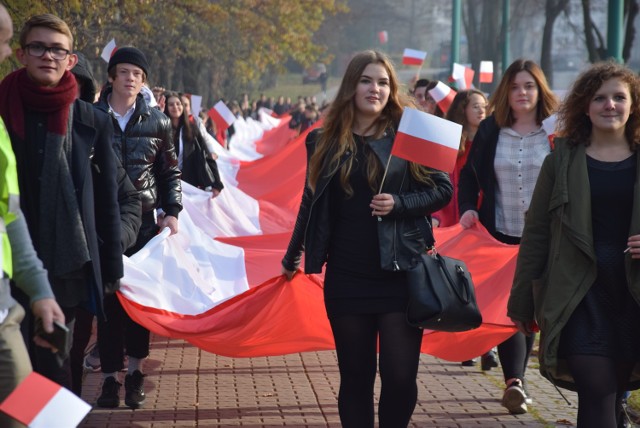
(187, 387)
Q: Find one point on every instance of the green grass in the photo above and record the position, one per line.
(290, 85)
(634, 401)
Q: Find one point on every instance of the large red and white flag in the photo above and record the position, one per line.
(108, 50)
(486, 71)
(221, 115)
(383, 37)
(444, 95)
(463, 76)
(40, 403)
(427, 139)
(203, 301)
(413, 57)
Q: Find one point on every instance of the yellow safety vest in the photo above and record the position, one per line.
(9, 197)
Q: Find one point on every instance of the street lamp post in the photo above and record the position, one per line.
(455, 32)
(506, 45)
(615, 20)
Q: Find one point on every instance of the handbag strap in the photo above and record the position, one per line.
(460, 273)
(427, 233)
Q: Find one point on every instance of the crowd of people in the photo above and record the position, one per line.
(84, 183)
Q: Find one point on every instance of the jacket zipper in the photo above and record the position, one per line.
(396, 266)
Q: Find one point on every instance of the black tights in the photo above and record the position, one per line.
(514, 355)
(601, 383)
(356, 341)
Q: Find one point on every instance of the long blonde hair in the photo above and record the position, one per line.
(336, 137)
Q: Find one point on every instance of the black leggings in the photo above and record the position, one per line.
(356, 344)
(514, 355)
(601, 383)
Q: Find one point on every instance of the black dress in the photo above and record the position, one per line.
(354, 282)
(606, 321)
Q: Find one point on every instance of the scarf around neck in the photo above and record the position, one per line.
(63, 245)
(18, 92)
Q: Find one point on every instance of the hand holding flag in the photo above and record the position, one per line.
(427, 139)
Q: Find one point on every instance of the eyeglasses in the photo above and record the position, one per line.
(37, 50)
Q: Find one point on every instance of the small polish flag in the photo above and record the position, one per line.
(383, 37)
(427, 139)
(463, 76)
(108, 50)
(413, 57)
(221, 116)
(196, 104)
(38, 402)
(443, 95)
(550, 125)
(486, 71)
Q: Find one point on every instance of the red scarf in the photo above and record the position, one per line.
(18, 92)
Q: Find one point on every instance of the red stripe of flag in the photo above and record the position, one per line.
(409, 60)
(29, 398)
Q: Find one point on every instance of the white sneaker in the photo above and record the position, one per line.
(514, 398)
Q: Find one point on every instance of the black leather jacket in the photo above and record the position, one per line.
(146, 151)
(402, 234)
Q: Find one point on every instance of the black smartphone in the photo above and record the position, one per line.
(59, 338)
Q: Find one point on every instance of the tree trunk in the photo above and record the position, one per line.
(481, 22)
(630, 32)
(553, 8)
(588, 31)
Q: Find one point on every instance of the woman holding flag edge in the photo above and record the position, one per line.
(368, 232)
(497, 182)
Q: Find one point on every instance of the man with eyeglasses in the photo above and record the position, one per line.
(64, 157)
(19, 262)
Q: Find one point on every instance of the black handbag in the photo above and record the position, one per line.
(441, 295)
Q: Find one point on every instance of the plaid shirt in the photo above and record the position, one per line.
(517, 165)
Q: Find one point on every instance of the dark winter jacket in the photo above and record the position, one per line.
(93, 168)
(147, 153)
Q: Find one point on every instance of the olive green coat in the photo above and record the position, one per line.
(556, 262)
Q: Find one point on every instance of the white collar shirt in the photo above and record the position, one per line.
(517, 164)
(123, 119)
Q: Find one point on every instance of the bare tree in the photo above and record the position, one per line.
(553, 8)
(594, 39)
